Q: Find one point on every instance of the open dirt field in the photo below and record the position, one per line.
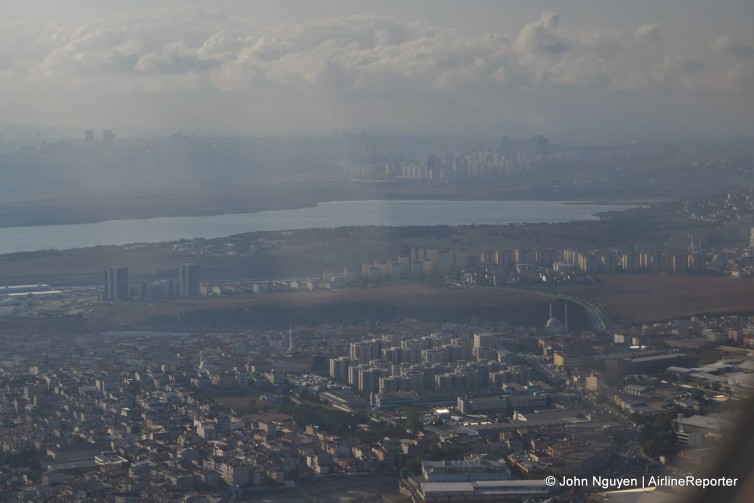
(260, 411)
(411, 294)
(647, 298)
(624, 299)
(408, 294)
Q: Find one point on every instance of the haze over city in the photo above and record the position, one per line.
(384, 252)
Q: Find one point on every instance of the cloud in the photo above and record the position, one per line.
(691, 73)
(727, 46)
(174, 58)
(649, 32)
(350, 61)
(345, 54)
(541, 36)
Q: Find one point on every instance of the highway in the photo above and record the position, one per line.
(595, 315)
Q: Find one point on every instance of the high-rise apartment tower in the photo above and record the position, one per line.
(116, 283)
(188, 278)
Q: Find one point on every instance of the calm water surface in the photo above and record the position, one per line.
(328, 215)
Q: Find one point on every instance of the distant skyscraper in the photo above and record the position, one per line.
(189, 280)
(89, 136)
(108, 135)
(116, 283)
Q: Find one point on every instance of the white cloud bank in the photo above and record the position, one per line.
(352, 65)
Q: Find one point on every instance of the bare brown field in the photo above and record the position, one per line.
(242, 404)
(122, 314)
(624, 298)
(647, 298)
(265, 411)
(417, 294)
(239, 403)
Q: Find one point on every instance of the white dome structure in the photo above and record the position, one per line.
(554, 327)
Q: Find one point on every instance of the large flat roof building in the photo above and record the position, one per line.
(465, 470)
(484, 490)
(698, 430)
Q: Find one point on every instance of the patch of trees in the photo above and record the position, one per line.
(413, 423)
(337, 422)
(657, 437)
(331, 421)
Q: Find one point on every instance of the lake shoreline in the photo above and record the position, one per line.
(75, 218)
(325, 215)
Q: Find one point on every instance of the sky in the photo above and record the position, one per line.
(680, 68)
